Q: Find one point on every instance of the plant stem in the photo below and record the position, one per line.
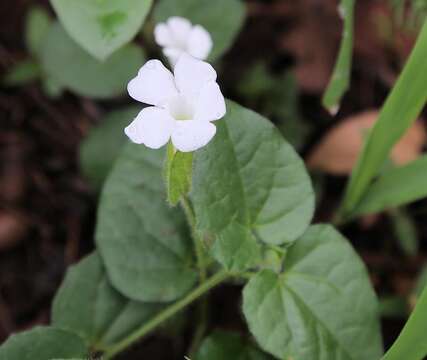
(198, 246)
(166, 314)
(201, 264)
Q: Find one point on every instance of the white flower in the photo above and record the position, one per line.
(184, 104)
(178, 36)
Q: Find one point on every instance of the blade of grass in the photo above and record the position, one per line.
(411, 344)
(340, 80)
(400, 110)
(395, 187)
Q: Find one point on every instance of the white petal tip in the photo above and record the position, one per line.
(132, 133)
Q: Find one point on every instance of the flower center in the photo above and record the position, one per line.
(180, 108)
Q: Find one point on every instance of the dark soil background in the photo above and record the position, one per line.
(48, 209)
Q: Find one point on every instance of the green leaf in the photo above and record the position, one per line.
(36, 29)
(249, 183)
(340, 80)
(406, 231)
(411, 343)
(223, 19)
(395, 187)
(400, 110)
(67, 63)
(236, 248)
(87, 305)
(144, 243)
(101, 26)
(42, 343)
(178, 173)
(100, 148)
(322, 307)
(225, 345)
(22, 73)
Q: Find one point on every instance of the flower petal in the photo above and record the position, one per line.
(172, 54)
(199, 43)
(210, 104)
(180, 29)
(154, 84)
(152, 127)
(163, 36)
(192, 74)
(190, 135)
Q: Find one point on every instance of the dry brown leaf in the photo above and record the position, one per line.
(337, 153)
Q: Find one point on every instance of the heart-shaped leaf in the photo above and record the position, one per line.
(101, 26)
(221, 18)
(322, 307)
(144, 243)
(87, 305)
(248, 184)
(41, 343)
(69, 65)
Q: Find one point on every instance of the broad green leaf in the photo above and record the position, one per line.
(144, 243)
(67, 63)
(87, 305)
(405, 231)
(236, 248)
(248, 184)
(400, 110)
(43, 343)
(101, 26)
(411, 343)
(178, 173)
(36, 29)
(103, 144)
(223, 19)
(225, 345)
(340, 80)
(395, 187)
(22, 73)
(321, 307)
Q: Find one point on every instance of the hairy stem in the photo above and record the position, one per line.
(202, 266)
(198, 246)
(170, 311)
